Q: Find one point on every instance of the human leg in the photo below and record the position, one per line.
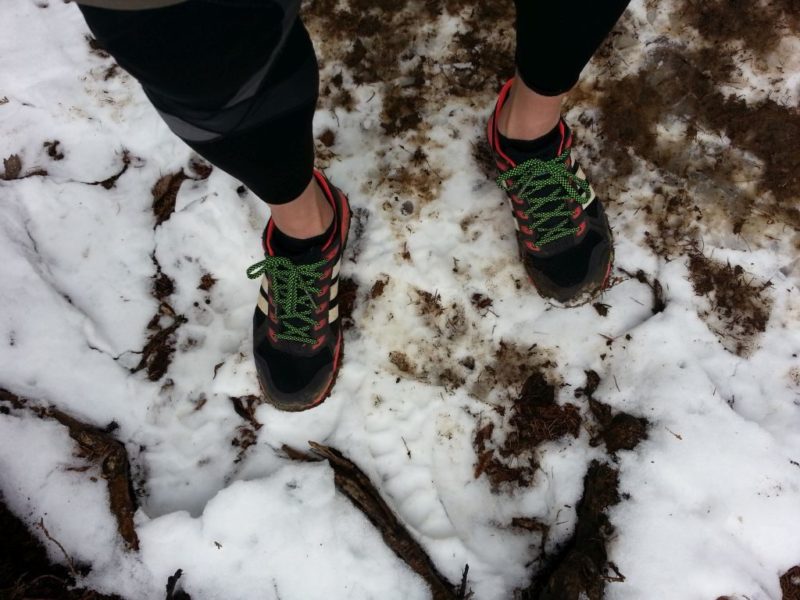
(239, 85)
(562, 232)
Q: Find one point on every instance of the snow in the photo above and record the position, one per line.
(712, 494)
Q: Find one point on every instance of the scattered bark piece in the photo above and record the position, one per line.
(53, 150)
(402, 362)
(378, 288)
(790, 584)
(172, 582)
(201, 169)
(207, 281)
(12, 167)
(245, 407)
(328, 138)
(157, 352)
(164, 193)
(348, 292)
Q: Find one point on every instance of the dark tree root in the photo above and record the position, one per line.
(579, 571)
(353, 483)
(100, 448)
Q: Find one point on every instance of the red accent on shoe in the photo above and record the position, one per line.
(322, 308)
(577, 212)
(517, 200)
(318, 343)
(520, 214)
(319, 325)
(526, 230)
(531, 246)
(561, 132)
(581, 229)
(267, 239)
(492, 126)
(324, 290)
(332, 254)
(608, 273)
(273, 336)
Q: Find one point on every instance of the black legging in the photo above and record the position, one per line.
(239, 83)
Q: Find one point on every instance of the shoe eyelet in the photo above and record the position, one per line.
(521, 215)
(318, 343)
(319, 325)
(577, 212)
(325, 289)
(524, 229)
(581, 229)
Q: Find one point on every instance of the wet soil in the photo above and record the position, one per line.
(760, 32)
(702, 176)
(740, 303)
(26, 573)
(532, 419)
(386, 44)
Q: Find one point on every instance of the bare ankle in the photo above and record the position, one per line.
(527, 115)
(307, 216)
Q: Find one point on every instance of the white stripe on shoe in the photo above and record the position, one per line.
(333, 314)
(262, 305)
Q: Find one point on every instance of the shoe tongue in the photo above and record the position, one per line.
(543, 148)
(299, 251)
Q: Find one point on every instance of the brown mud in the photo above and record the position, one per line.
(386, 44)
(710, 179)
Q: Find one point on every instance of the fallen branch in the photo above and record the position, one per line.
(100, 448)
(353, 483)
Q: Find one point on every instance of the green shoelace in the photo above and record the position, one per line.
(550, 213)
(294, 291)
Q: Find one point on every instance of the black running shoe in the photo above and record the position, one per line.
(562, 232)
(297, 338)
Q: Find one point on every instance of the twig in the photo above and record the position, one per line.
(70, 564)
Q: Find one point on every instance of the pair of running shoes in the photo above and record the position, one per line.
(562, 233)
